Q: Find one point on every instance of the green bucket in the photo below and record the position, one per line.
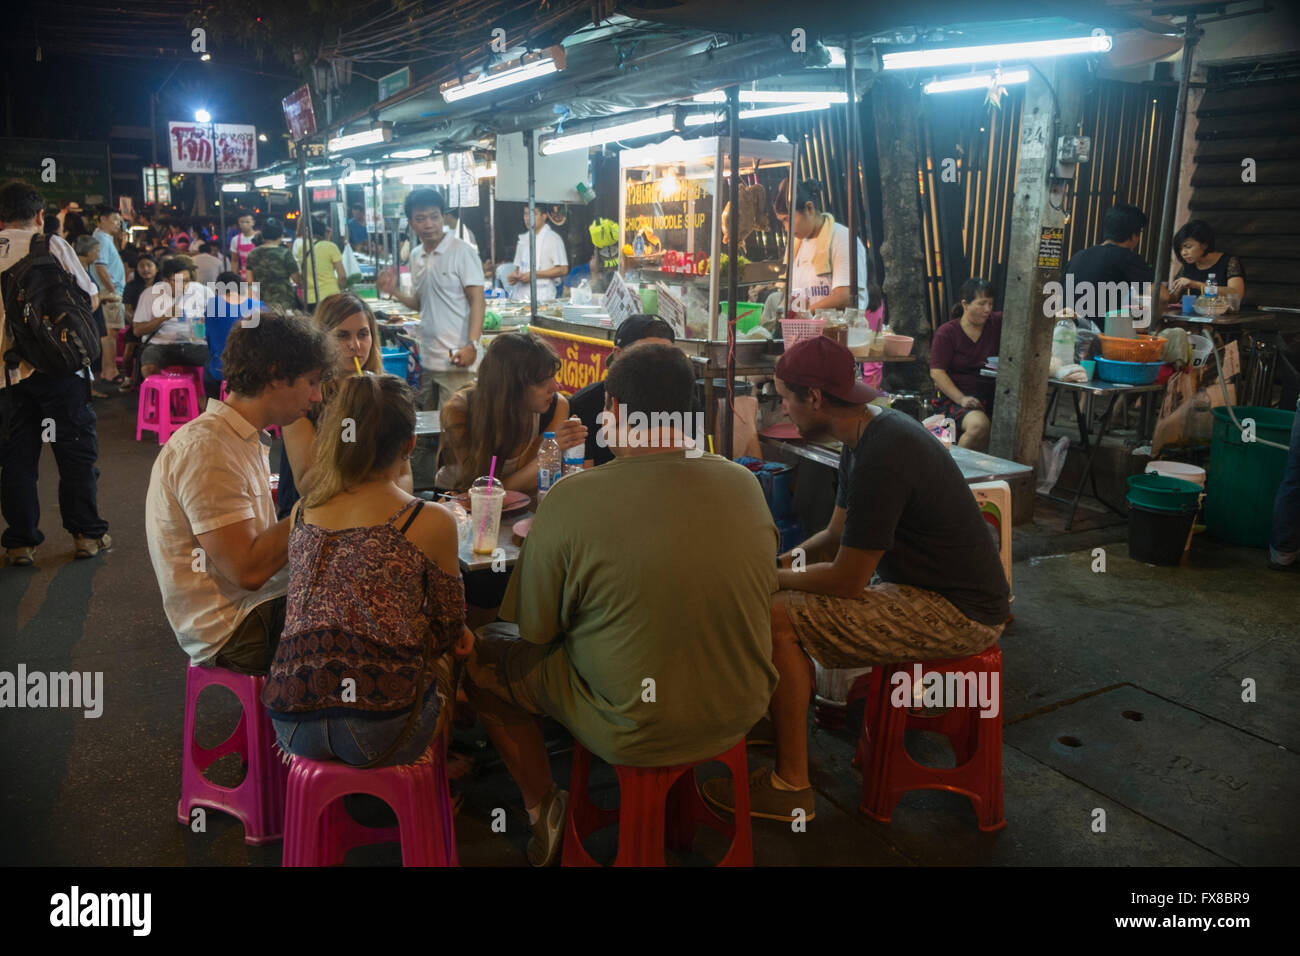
(1161, 493)
(748, 314)
(1243, 477)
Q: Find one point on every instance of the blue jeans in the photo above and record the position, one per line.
(1284, 548)
(24, 410)
(359, 740)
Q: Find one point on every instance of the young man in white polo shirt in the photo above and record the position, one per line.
(552, 261)
(215, 544)
(447, 289)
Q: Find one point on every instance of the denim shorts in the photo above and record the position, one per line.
(359, 740)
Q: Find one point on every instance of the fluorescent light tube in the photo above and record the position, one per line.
(1032, 50)
(269, 182)
(409, 154)
(367, 137)
(319, 183)
(608, 134)
(975, 81)
(487, 82)
(360, 177)
(776, 96)
(234, 187)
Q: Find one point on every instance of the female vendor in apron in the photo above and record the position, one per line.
(819, 278)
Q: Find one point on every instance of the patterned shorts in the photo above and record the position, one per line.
(890, 623)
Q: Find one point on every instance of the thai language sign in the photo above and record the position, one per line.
(191, 147)
(582, 360)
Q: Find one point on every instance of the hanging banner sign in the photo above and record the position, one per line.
(394, 83)
(463, 191)
(299, 114)
(191, 147)
(583, 360)
(157, 185)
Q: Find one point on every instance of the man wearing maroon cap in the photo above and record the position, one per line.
(902, 512)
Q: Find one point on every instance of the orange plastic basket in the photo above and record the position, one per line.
(796, 330)
(1144, 348)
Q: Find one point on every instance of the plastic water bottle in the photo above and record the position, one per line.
(573, 459)
(548, 464)
(1211, 287)
(1063, 339)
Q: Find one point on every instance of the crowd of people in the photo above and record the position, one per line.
(648, 565)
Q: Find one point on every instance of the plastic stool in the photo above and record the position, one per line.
(319, 832)
(167, 402)
(888, 771)
(258, 801)
(195, 374)
(646, 796)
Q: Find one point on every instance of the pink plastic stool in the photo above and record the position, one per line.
(258, 801)
(319, 832)
(195, 373)
(167, 401)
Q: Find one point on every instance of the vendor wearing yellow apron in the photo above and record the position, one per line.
(819, 278)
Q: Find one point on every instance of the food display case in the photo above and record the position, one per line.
(674, 209)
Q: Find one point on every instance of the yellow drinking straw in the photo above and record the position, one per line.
(358, 361)
(710, 444)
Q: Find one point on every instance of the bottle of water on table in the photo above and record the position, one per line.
(549, 463)
(574, 458)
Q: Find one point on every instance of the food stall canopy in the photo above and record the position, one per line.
(866, 18)
(600, 79)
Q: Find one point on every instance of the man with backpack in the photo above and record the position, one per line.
(49, 346)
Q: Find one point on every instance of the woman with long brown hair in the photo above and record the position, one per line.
(374, 593)
(504, 414)
(351, 327)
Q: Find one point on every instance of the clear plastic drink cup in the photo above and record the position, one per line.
(486, 496)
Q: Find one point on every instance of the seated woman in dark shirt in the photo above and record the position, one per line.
(957, 353)
(376, 608)
(504, 414)
(1194, 247)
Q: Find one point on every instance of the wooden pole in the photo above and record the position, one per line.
(896, 109)
(1190, 35)
(851, 190)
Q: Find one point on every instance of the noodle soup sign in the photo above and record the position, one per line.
(582, 360)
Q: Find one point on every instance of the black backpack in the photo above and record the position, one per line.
(48, 316)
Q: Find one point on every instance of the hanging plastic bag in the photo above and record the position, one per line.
(944, 429)
(351, 264)
(1051, 461)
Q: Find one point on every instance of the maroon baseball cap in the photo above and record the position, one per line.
(820, 362)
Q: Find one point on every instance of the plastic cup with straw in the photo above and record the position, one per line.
(356, 359)
(487, 494)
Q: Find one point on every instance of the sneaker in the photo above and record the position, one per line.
(548, 831)
(18, 558)
(765, 801)
(762, 734)
(89, 547)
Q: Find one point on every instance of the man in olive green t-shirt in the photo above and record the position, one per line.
(642, 603)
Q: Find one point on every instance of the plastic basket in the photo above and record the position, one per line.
(794, 331)
(1144, 348)
(1128, 373)
(1159, 492)
(394, 361)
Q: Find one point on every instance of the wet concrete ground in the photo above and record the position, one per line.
(1122, 693)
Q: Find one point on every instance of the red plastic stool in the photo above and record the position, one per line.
(167, 401)
(195, 374)
(319, 832)
(258, 801)
(658, 806)
(888, 771)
